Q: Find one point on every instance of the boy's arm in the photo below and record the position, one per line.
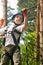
(25, 25)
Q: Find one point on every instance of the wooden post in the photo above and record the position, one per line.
(41, 32)
(5, 10)
(37, 44)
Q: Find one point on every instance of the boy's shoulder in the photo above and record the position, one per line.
(10, 23)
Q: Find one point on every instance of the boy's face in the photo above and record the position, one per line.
(18, 19)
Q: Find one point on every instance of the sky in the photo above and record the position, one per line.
(11, 3)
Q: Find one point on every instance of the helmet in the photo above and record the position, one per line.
(16, 12)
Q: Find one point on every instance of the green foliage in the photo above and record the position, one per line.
(31, 37)
(27, 49)
(0, 52)
(32, 26)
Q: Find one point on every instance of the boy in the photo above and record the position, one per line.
(12, 37)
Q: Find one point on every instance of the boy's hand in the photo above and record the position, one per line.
(24, 11)
(2, 22)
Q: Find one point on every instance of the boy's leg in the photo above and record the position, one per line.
(5, 60)
(5, 57)
(17, 57)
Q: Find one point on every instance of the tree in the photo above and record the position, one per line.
(37, 43)
(5, 10)
(41, 31)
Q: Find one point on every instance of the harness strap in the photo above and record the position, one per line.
(14, 38)
(4, 39)
(17, 31)
(16, 41)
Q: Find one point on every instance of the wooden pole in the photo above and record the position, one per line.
(5, 10)
(37, 44)
(41, 32)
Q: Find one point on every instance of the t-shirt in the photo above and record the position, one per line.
(9, 27)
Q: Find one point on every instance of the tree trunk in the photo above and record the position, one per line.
(41, 32)
(5, 10)
(37, 43)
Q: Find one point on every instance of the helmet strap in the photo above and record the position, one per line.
(16, 23)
